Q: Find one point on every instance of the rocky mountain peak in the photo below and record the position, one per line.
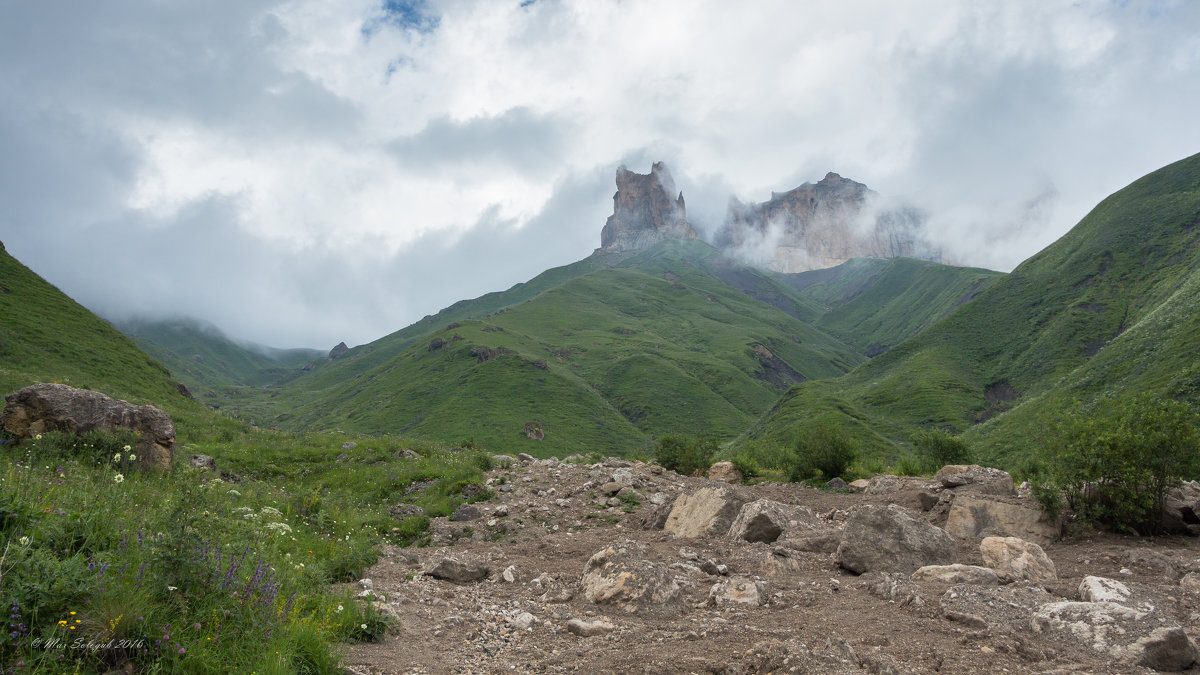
(822, 224)
(646, 211)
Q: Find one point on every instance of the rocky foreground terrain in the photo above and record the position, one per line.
(629, 568)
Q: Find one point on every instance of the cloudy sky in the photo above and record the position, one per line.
(301, 172)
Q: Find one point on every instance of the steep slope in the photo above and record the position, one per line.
(47, 337)
(1061, 325)
(656, 343)
(206, 359)
(874, 304)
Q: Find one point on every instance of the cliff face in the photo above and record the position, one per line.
(645, 211)
(821, 225)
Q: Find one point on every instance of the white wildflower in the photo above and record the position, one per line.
(24, 541)
(132, 457)
(118, 478)
(117, 457)
(364, 626)
(128, 448)
(339, 609)
(279, 528)
(271, 511)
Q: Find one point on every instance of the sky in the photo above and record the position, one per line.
(305, 172)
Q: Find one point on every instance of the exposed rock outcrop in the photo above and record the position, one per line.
(57, 407)
(892, 539)
(822, 225)
(338, 350)
(645, 211)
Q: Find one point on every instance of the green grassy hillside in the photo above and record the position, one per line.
(874, 304)
(1061, 325)
(608, 353)
(205, 359)
(47, 337)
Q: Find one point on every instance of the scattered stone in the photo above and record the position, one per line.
(892, 539)
(405, 453)
(510, 575)
(524, 458)
(349, 445)
(589, 628)
(56, 407)
(202, 462)
(957, 574)
(402, 511)
(1181, 509)
(1190, 582)
(612, 488)
(623, 476)
(737, 591)
(859, 485)
(1124, 634)
(342, 457)
(976, 479)
(725, 472)
(458, 571)
(523, 621)
(886, 484)
(659, 498)
(894, 587)
(998, 607)
(973, 516)
(473, 490)
(836, 483)
(1100, 589)
(1017, 560)
(709, 511)
(466, 513)
(620, 574)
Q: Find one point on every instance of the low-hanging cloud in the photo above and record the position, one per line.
(301, 172)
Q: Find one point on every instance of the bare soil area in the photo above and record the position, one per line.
(532, 542)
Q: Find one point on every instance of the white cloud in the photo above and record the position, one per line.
(355, 165)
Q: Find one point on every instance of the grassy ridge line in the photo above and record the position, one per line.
(1029, 332)
(660, 337)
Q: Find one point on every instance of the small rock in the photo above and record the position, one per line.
(458, 571)
(975, 478)
(402, 511)
(1017, 560)
(658, 498)
(523, 621)
(612, 487)
(203, 462)
(510, 575)
(624, 476)
(589, 628)
(836, 483)
(859, 485)
(957, 574)
(524, 458)
(725, 473)
(737, 591)
(349, 445)
(466, 513)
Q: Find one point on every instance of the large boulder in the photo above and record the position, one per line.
(56, 407)
(892, 539)
(973, 516)
(707, 512)
(1181, 509)
(766, 520)
(459, 571)
(619, 574)
(974, 478)
(1123, 633)
(886, 484)
(1017, 560)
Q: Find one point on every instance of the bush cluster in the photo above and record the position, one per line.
(822, 448)
(1116, 460)
(687, 455)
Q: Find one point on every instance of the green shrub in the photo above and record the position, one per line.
(1117, 460)
(822, 447)
(746, 465)
(687, 455)
(938, 448)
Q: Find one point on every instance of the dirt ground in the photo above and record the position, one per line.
(548, 518)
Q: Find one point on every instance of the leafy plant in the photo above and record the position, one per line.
(822, 447)
(939, 448)
(687, 455)
(1117, 460)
